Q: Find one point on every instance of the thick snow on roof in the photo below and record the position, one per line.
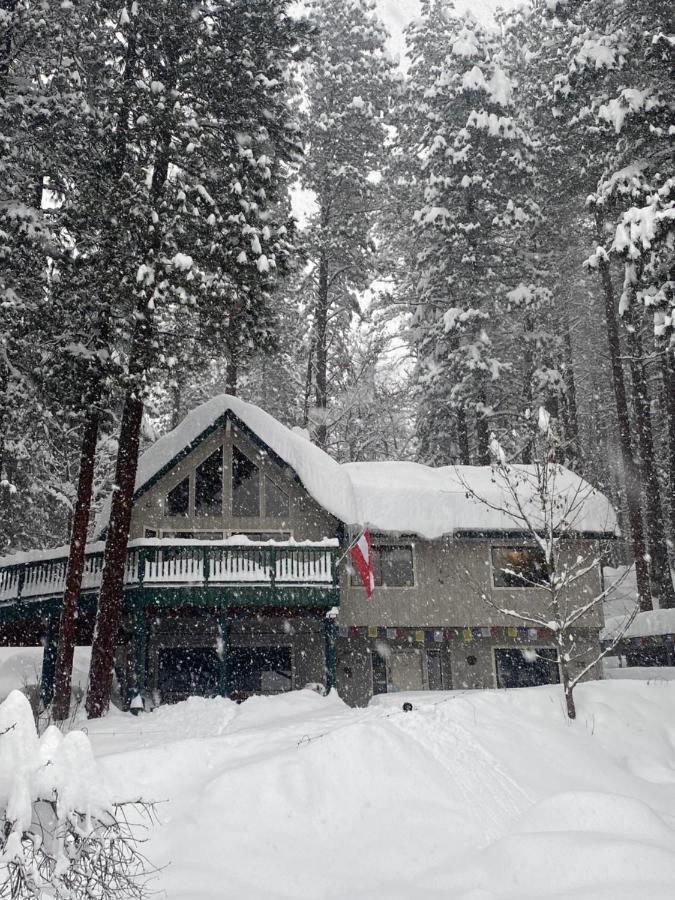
(407, 496)
(322, 477)
(384, 496)
(651, 622)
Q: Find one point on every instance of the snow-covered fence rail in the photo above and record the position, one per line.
(186, 563)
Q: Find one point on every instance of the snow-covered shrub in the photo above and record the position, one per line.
(61, 836)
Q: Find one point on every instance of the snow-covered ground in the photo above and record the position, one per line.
(473, 795)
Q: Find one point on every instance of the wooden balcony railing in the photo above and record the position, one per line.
(179, 563)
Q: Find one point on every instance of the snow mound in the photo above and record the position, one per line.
(471, 795)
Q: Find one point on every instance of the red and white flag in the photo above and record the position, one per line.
(362, 556)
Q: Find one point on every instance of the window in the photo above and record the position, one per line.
(245, 485)
(393, 566)
(260, 536)
(209, 485)
(434, 670)
(379, 673)
(517, 567)
(150, 532)
(528, 667)
(199, 535)
(178, 499)
(276, 500)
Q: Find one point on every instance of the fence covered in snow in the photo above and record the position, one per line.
(186, 563)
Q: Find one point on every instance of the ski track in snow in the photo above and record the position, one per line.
(470, 796)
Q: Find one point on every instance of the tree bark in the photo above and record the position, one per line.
(669, 388)
(659, 567)
(321, 352)
(482, 434)
(571, 416)
(462, 436)
(630, 470)
(232, 373)
(76, 559)
(109, 610)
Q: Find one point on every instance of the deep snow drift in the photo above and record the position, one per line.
(471, 796)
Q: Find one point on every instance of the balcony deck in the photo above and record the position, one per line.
(164, 572)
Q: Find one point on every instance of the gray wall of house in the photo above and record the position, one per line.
(465, 665)
(450, 579)
(307, 521)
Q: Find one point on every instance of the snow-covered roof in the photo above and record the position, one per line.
(645, 624)
(401, 497)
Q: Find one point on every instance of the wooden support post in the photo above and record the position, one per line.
(51, 645)
(140, 651)
(330, 634)
(224, 635)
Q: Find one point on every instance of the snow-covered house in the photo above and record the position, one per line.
(238, 580)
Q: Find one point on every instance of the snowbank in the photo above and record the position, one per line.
(384, 496)
(22, 666)
(472, 795)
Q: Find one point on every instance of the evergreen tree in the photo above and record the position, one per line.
(349, 83)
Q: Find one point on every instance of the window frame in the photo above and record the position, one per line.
(261, 476)
(355, 579)
(496, 570)
(174, 515)
(194, 474)
(520, 648)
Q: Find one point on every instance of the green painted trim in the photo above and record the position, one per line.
(51, 645)
(224, 635)
(330, 664)
(231, 595)
(139, 643)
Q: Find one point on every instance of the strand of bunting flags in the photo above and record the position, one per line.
(439, 635)
(647, 640)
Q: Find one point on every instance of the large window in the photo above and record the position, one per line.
(528, 667)
(393, 566)
(178, 499)
(518, 567)
(209, 486)
(276, 500)
(245, 485)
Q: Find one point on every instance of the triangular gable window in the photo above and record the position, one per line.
(178, 499)
(209, 486)
(245, 486)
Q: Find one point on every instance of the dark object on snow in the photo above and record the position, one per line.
(407, 707)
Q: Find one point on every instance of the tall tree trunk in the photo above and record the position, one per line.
(659, 567)
(109, 610)
(669, 388)
(232, 373)
(571, 416)
(528, 374)
(482, 433)
(630, 470)
(76, 559)
(308, 383)
(321, 331)
(462, 436)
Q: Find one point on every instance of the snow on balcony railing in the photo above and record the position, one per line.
(155, 562)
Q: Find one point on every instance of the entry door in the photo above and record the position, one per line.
(406, 670)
